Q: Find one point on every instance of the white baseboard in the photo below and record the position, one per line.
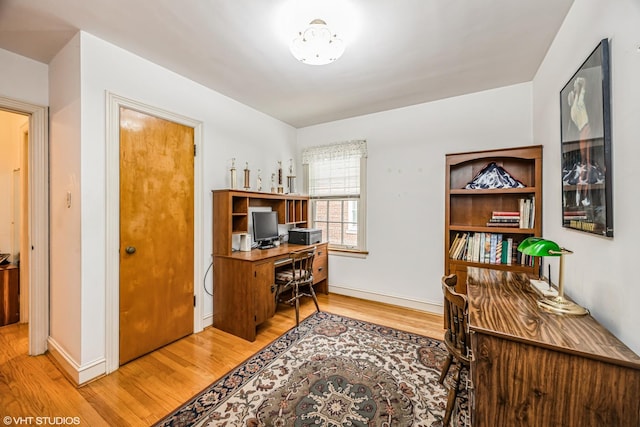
(77, 374)
(429, 307)
(207, 320)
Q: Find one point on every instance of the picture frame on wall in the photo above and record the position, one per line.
(585, 118)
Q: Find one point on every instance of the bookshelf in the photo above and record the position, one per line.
(476, 214)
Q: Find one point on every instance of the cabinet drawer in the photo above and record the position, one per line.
(320, 264)
(319, 270)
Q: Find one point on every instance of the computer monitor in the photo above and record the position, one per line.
(265, 228)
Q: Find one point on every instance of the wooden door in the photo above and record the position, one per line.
(156, 232)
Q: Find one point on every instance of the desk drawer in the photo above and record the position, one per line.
(320, 264)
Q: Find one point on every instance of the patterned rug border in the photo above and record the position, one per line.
(230, 382)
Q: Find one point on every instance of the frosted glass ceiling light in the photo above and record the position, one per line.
(317, 45)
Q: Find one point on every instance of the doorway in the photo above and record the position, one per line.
(34, 219)
(113, 263)
(14, 219)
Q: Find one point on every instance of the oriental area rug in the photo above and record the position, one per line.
(331, 371)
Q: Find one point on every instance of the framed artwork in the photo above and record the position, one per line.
(585, 110)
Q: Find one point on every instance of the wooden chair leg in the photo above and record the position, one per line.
(315, 299)
(277, 294)
(297, 298)
(451, 399)
(445, 368)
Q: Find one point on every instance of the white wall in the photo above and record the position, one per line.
(23, 79)
(66, 254)
(405, 186)
(599, 274)
(230, 129)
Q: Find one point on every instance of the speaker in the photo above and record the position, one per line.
(245, 243)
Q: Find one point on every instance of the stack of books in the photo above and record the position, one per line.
(522, 218)
(504, 219)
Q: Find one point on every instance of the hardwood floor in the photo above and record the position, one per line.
(146, 389)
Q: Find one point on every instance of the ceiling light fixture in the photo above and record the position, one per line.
(317, 45)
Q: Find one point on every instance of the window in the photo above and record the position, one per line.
(335, 181)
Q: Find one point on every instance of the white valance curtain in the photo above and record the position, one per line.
(333, 171)
(342, 150)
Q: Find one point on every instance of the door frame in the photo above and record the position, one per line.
(114, 102)
(38, 220)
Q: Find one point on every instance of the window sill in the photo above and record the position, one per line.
(353, 253)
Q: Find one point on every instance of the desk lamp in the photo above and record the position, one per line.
(537, 246)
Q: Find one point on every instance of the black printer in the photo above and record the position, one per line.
(305, 236)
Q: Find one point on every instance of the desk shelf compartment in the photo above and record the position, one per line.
(296, 212)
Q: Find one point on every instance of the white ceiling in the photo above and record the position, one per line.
(399, 52)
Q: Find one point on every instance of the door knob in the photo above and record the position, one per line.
(130, 250)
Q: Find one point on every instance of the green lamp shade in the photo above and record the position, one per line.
(537, 246)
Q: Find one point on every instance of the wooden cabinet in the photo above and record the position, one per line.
(244, 286)
(530, 367)
(469, 211)
(264, 291)
(9, 294)
(244, 282)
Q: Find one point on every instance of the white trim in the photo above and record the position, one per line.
(426, 306)
(348, 254)
(24, 259)
(76, 373)
(38, 221)
(114, 102)
(362, 209)
(207, 320)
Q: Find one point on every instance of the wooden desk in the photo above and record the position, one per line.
(9, 294)
(533, 368)
(244, 286)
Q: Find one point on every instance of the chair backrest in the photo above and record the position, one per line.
(455, 319)
(303, 265)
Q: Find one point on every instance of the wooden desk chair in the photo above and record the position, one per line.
(298, 275)
(456, 338)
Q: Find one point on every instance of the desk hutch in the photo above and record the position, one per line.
(244, 285)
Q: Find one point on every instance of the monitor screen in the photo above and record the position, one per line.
(265, 226)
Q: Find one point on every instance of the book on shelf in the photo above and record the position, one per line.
(514, 219)
(492, 248)
(504, 224)
(527, 212)
(504, 252)
(504, 214)
(454, 245)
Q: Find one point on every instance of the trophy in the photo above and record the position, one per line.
(234, 182)
(247, 181)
